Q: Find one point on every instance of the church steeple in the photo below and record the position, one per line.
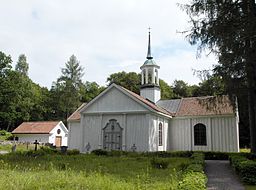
(149, 46)
(149, 77)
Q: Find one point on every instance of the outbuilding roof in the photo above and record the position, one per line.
(40, 127)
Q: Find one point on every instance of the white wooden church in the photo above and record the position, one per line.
(118, 119)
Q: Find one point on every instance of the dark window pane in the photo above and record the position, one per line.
(200, 134)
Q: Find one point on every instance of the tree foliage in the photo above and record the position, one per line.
(22, 65)
(130, 80)
(228, 29)
(67, 88)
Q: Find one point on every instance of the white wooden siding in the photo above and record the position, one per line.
(91, 131)
(180, 136)
(134, 127)
(221, 134)
(225, 135)
(74, 137)
(115, 101)
(154, 133)
(42, 138)
(137, 132)
(63, 134)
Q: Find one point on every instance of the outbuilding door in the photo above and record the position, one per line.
(112, 135)
(58, 140)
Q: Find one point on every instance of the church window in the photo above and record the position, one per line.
(200, 134)
(160, 135)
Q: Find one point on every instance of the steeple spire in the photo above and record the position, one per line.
(149, 46)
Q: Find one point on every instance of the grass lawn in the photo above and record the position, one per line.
(87, 172)
(250, 187)
(19, 147)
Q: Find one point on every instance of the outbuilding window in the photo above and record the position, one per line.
(200, 134)
(160, 135)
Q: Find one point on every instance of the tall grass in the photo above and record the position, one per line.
(87, 172)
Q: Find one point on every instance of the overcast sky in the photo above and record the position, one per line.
(106, 36)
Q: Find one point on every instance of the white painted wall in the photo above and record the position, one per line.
(153, 94)
(222, 134)
(74, 136)
(63, 134)
(225, 134)
(114, 101)
(42, 138)
(154, 121)
(135, 130)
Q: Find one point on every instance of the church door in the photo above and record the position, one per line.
(112, 136)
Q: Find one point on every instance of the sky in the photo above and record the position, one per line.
(106, 36)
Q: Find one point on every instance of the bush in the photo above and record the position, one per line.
(194, 177)
(216, 155)
(193, 181)
(5, 135)
(73, 152)
(245, 168)
(166, 154)
(159, 163)
(195, 168)
(100, 152)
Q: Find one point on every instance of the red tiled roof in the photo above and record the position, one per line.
(40, 127)
(76, 115)
(148, 103)
(203, 106)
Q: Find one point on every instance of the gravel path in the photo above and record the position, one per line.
(221, 176)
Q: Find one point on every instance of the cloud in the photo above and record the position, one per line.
(106, 36)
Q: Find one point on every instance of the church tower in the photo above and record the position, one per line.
(150, 88)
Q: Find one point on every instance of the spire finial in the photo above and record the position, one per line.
(149, 46)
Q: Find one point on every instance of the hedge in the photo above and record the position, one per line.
(245, 168)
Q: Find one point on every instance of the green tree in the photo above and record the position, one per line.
(228, 29)
(130, 80)
(22, 65)
(90, 90)
(5, 64)
(67, 87)
(166, 90)
(181, 89)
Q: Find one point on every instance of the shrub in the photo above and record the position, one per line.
(166, 154)
(195, 168)
(248, 171)
(216, 155)
(245, 168)
(159, 163)
(193, 181)
(73, 152)
(236, 160)
(100, 152)
(194, 177)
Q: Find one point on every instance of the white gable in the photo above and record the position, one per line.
(114, 100)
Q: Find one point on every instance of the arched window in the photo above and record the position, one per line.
(160, 135)
(200, 134)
